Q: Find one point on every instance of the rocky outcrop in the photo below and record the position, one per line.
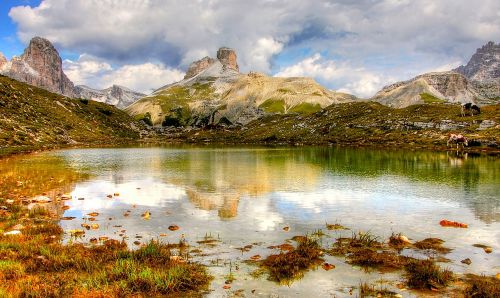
(438, 86)
(225, 56)
(119, 96)
(228, 58)
(40, 65)
(3, 61)
(199, 66)
(483, 70)
(484, 65)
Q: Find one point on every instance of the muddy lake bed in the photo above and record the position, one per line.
(230, 204)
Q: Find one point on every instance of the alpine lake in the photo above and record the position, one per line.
(235, 206)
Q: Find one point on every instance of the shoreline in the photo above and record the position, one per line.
(479, 150)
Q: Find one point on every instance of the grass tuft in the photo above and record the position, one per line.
(286, 267)
(424, 274)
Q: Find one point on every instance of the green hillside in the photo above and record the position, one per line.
(32, 118)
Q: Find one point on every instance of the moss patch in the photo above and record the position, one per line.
(273, 106)
(429, 98)
(305, 108)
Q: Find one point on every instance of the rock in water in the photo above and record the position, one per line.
(40, 65)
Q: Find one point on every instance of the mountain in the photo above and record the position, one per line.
(32, 117)
(119, 96)
(427, 88)
(484, 65)
(477, 82)
(215, 92)
(40, 65)
(483, 70)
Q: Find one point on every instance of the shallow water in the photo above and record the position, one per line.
(242, 196)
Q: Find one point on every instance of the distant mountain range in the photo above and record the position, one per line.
(119, 96)
(40, 65)
(213, 90)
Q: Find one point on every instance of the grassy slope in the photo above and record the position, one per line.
(361, 123)
(33, 118)
(171, 102)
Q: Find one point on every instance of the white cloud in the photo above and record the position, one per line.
(446, 67)
(394, 38)
(349, 79)
(262, 52)
(93, 72)
(143, 77)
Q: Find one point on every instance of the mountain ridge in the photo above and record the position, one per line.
(477, 82)
(116, 95)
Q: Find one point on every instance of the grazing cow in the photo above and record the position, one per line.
(470, 107)
(457, 139)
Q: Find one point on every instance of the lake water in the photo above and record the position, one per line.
(244, 196)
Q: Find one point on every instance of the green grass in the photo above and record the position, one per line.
(364, 124)
(429, 98)
(273, 106)
(174, 101)
(424, 274)
(33, 118)
(11, 269)
(305, 108)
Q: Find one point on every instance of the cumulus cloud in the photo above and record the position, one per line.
(346, 78)
(93, 72)
(396, 38)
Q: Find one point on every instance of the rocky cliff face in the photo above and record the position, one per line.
(483, 71)
(198, 66)
(119, 96)
(484, 65)
(3, 60)
(40, 65)
(215, 93)
(225, 56)
(228, 58)
(431, 87)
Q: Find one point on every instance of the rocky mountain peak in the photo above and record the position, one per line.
(199, 66)
(3, 60)
(40, 65)
(228, 58)
(484, 65)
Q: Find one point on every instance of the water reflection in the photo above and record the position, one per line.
(35, 174)
(247, 195)
(216, 179)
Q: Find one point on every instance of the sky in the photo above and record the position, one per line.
(350, 46)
